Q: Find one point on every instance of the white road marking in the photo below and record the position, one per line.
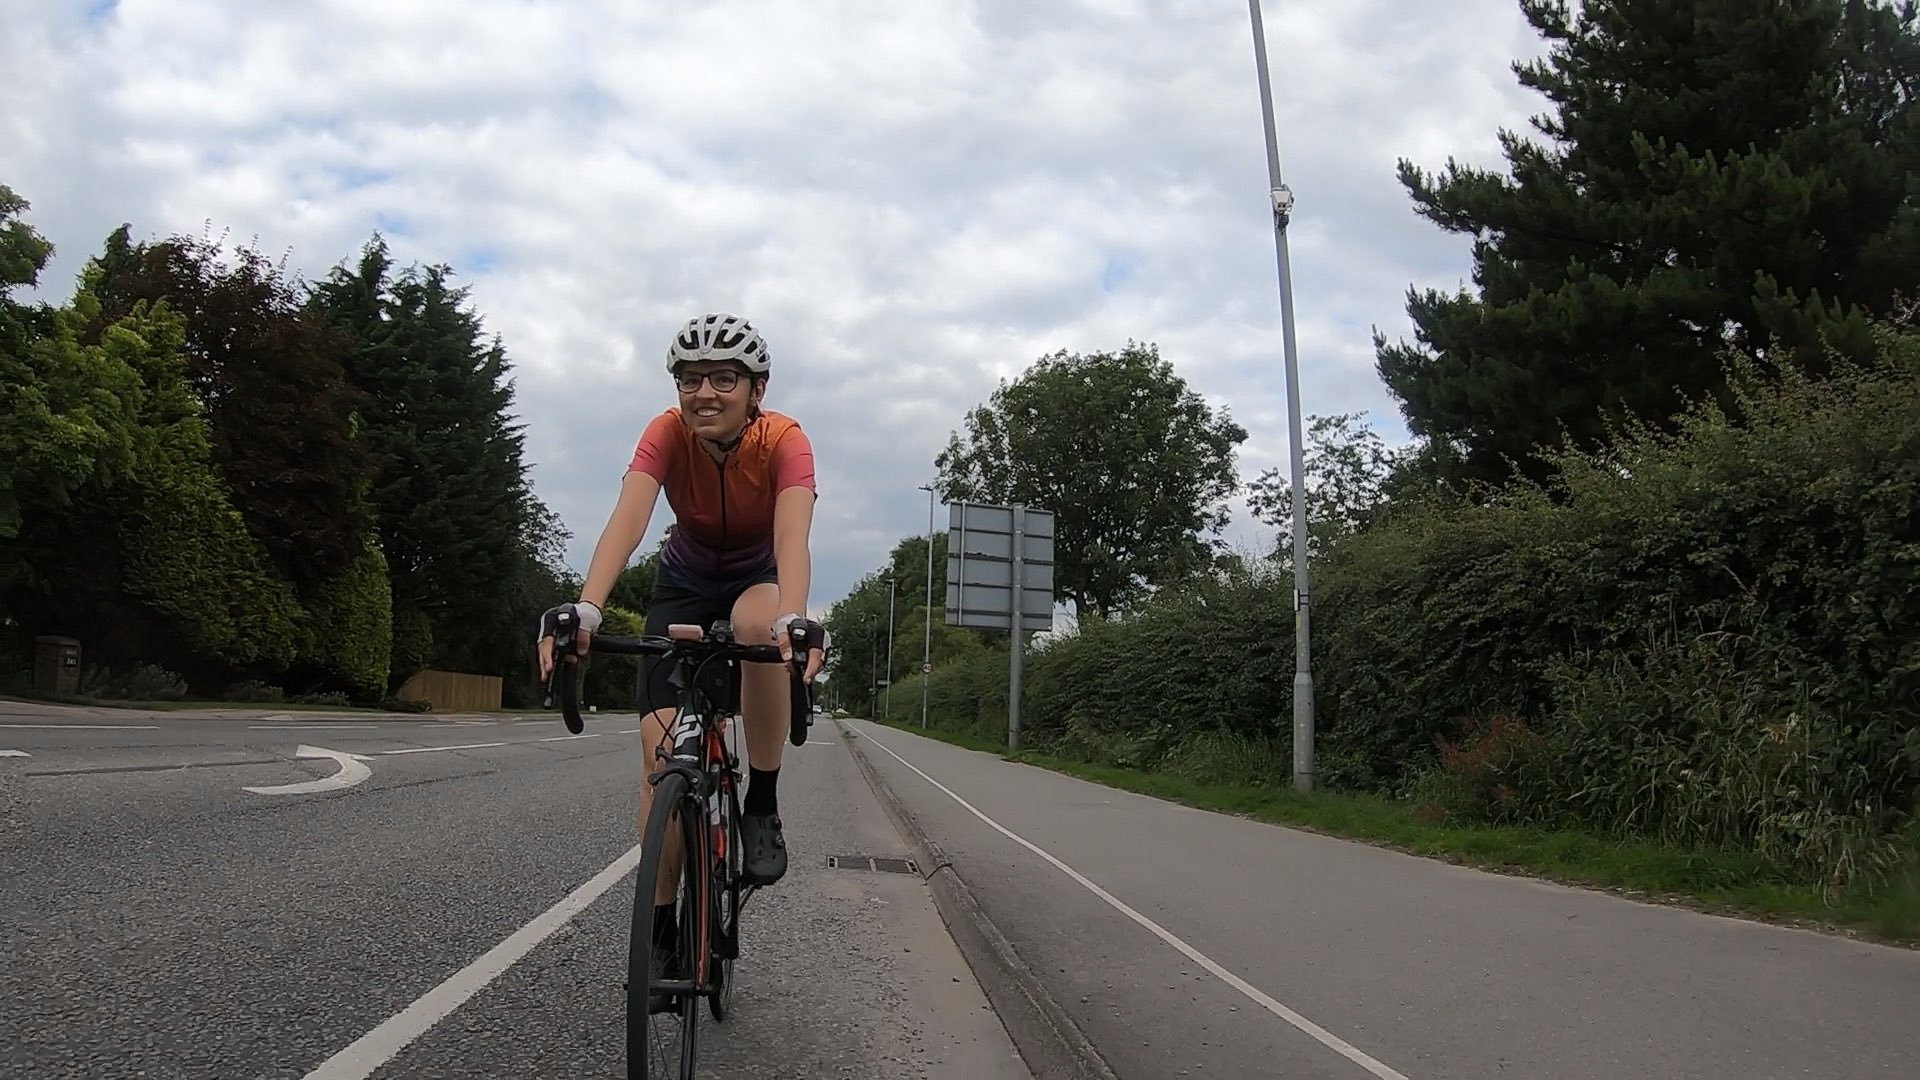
(377, 1047)
(353, 770)
(297, 726)
(14, 753)
(564, 738)
(85, 727)
(1325, 1037)
(431, 749)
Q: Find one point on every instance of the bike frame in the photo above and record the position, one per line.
(706, 669)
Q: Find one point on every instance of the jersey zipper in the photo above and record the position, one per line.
(721, 465)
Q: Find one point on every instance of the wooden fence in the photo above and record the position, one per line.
(452, 691)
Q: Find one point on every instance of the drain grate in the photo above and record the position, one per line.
(872, 862)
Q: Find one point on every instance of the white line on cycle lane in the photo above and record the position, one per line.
(369, 1052)
(1319, 1034)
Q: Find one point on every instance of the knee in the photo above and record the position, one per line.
(753, 628)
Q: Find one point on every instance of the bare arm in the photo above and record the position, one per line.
(793, 563)
(625, 526)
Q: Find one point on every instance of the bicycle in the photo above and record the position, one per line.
(698, 785)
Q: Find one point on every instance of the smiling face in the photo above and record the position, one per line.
(715, 397)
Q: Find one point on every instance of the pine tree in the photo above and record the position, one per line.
(1721, 172)
(469, 548)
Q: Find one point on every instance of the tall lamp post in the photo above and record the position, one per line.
(890, 586)
(926, 645)
(1302, 608)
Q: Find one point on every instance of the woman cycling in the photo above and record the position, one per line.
(739, 480)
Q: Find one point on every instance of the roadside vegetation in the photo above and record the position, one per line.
(1635, 607)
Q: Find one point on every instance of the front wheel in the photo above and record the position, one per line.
(664, 1045)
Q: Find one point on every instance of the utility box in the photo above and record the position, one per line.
(56, 665)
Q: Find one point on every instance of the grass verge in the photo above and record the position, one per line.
(1726, 883)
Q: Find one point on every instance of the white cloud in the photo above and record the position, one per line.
(913, 201)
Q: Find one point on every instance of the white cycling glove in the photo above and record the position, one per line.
(589, 616)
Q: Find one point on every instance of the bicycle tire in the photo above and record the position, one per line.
(669, 794)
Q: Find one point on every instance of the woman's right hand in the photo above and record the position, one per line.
(582, 637)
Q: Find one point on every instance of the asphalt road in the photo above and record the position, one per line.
(160, 920)
(1260, 951)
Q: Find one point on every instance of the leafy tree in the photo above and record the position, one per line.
(150, 560)
(1721, 172)
(634, 587)
(64, 410)
(1348, 472)
(858, 624)
(270, 376)
(1134, 465)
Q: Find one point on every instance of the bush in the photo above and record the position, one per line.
(610, 679)
(350, 621)
(252, 690)
(148, 682)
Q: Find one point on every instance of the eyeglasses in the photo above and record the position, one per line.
(723, 380)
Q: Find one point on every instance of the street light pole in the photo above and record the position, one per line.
(926, 646)
(1282, 197)
(890, 584)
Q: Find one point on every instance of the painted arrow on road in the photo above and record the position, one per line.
(353, 770)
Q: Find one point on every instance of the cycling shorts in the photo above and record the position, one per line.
(680, 598)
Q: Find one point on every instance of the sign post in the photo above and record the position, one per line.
(1000, 577)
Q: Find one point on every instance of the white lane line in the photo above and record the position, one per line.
(14, 753)
(353, 771)
(377, 1047)
(564, 738)
(431, 749)
(818, 742)
(84, 727)
(297, 726)
(1326, 1038)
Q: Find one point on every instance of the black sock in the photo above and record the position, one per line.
(760, 792)
(665, 930)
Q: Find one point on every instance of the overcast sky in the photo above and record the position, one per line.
(911, 200)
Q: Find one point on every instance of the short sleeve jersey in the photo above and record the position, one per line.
(723, 511)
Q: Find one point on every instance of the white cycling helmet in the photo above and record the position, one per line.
(719, 336)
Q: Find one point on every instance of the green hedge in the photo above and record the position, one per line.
(187, 552)
(351, 624)
(1705, 638)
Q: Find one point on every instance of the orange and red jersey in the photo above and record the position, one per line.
(723, 511)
